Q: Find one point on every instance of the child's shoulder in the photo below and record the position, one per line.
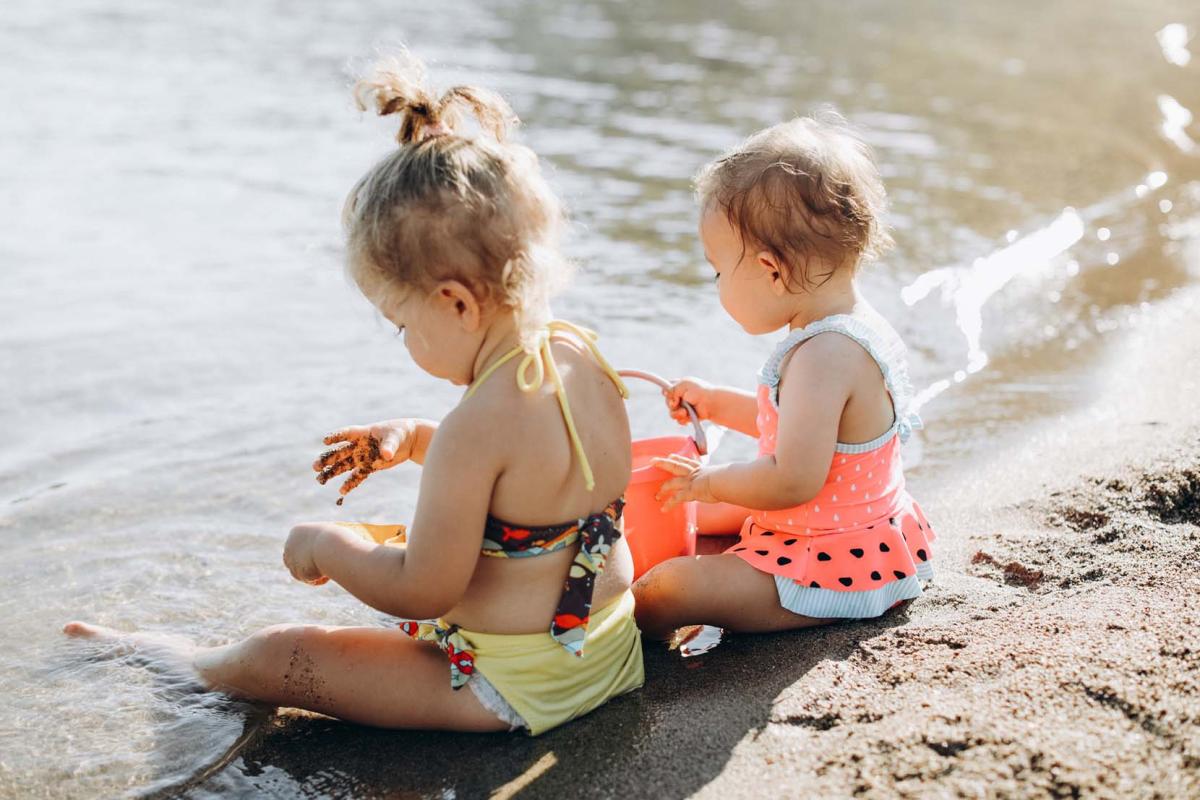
(865, 331)
(843, 334)
(859, 342)
(826, 352)
(514, 400)
(483, 414)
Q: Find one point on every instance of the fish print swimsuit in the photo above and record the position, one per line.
(529, 682)
(595, 534)
(862, 545)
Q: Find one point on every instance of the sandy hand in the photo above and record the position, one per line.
(363, 449)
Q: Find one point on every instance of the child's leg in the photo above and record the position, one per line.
(721, 590)
(373, 676)
(720, 519)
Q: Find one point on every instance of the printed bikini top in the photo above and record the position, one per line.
(596, 533)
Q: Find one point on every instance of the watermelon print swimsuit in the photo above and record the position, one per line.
(862, 544)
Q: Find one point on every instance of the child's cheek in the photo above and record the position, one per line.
(729, 302)
(419, 352)
(723, 296)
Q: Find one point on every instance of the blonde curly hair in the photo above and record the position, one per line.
(450, 206)
(807, 191)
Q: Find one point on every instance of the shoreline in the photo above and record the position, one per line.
(1056, 653)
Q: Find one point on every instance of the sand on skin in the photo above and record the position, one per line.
(1057, 655)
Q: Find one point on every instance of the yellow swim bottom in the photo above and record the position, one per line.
(538, 677)
(546, 684)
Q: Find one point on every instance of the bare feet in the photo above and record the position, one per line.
(161, 652)
(694, 640)
(89, 631)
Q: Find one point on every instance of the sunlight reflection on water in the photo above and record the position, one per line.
(178, 333)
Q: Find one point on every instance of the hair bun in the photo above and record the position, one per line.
(396, 85)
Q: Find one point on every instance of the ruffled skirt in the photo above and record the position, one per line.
(854, 574)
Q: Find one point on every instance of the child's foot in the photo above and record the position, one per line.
(161, 652)
(88, 631)
(695, 640)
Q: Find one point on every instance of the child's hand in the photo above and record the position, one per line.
(690, 481)
(298, 555)
(365, 449)
(695, 392)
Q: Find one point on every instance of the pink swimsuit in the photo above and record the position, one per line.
(862, 544)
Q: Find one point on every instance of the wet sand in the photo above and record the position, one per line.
(1057, 653)
(169, 380)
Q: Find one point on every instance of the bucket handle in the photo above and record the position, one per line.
(700, 439)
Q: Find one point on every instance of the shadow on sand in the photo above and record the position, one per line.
(671, 738)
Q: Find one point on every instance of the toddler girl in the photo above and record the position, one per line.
(454, 239)
(827, 529)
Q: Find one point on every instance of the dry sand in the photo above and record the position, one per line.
(1057, 654)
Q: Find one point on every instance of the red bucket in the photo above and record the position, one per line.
(655, 535)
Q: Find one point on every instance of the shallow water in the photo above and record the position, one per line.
(177, 333)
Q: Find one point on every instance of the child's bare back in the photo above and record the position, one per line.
(512, 578)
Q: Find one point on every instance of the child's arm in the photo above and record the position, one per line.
(726, 406)
(812, 398)
(429, 576)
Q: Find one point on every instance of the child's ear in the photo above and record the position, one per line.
(456, 297)
(776, 270)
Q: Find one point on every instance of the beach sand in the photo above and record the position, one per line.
(1057, 653)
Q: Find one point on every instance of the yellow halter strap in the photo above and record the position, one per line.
(540, 359)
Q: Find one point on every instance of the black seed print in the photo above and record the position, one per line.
(845, 581)
(767, 533)
(762, 552)
(891, 520)
(783, 561)
(823, 557)
(857, 552)
(738, 549)
(869, 527)
(876, 576)
(921, 555)
(898, 574)
(814, 585)
(790, 541)
(883, 548)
